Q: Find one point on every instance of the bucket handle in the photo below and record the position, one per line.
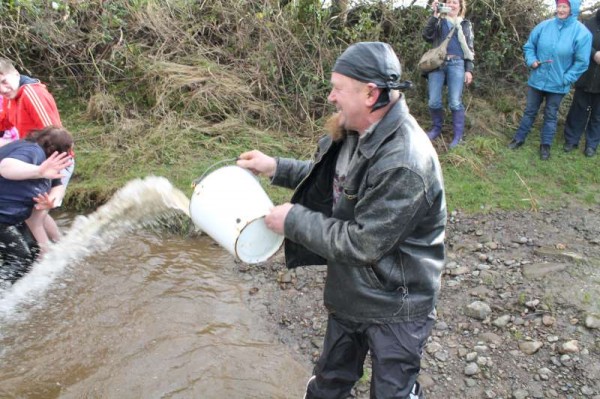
(210, 168)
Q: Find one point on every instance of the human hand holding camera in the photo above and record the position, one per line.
(440, 8)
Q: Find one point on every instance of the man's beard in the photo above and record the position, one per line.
(334, 127)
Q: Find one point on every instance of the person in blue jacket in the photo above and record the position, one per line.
(29, 180)
(558, 53)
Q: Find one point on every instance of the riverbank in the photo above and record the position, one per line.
(518, 312)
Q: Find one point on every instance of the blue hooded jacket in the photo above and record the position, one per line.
(566, 43)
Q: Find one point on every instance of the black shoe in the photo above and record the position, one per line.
(568, 147)
(590, 152)
(544, 152)
(514, 144)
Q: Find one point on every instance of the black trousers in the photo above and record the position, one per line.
(17, 251)
(395, 349)
(584, 114)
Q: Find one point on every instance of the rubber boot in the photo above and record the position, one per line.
(437, 119)
(458, 126)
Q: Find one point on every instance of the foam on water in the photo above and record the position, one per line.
(140, 202)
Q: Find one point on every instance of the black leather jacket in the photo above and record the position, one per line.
(383, 242)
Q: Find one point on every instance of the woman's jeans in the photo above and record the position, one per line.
(534, 100)
(453, 74)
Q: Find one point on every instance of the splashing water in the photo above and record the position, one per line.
(139, 203)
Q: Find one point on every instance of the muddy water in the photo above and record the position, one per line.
(133, 312)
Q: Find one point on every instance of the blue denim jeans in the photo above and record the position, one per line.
(534, 100)
(452, 73)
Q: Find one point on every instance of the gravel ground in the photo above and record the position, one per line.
(518, 316)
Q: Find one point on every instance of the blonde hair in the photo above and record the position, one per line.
(6, 66)
(463, 8)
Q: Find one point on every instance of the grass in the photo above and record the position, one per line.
(480, 176)
(518, 179)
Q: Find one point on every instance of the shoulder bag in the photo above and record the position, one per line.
(434, 58)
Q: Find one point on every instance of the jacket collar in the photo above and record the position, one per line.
(25, 80)
(390, 122)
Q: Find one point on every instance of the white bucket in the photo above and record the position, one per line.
(230, 205)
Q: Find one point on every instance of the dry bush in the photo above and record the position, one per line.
(103, 107)
(255, 61)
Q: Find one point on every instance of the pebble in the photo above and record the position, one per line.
(530, 347)
(441, 326)
(570, 347)
(592, 321)
(502, 321)
(520, 394)
(478, 310)
(470, 382)
(471, 369)
(587, 391)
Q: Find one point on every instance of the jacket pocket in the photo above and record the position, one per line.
(371, 277)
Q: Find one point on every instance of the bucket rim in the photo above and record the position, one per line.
(235, 246)
(211, 169)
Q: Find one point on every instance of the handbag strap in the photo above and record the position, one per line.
(450, 33)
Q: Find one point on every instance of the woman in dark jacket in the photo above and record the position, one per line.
(584, 113)
(457, 69)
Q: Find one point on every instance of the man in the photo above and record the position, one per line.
(371, 206)
(26, 194)
(28, 106)
(584, 113)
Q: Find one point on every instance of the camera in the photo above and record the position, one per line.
(443, 8)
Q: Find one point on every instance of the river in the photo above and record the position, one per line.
(123, 309)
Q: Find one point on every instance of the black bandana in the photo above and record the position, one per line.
(373, 62)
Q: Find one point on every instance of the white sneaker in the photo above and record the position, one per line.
(416, 392)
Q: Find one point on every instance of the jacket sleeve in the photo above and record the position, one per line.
(530, 47)
(467, 28)
(39, 106)
(591, 26)
(430, 33)
(290, 172)
(386, 214)
(582, 46)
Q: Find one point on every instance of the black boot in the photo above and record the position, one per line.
(544, 152)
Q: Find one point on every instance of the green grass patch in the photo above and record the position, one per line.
(500, 178)
(481, 175)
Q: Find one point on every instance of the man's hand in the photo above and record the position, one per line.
(597, 57)
(276, 219)
(43, 201)
(51, 167)
(258, 163)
